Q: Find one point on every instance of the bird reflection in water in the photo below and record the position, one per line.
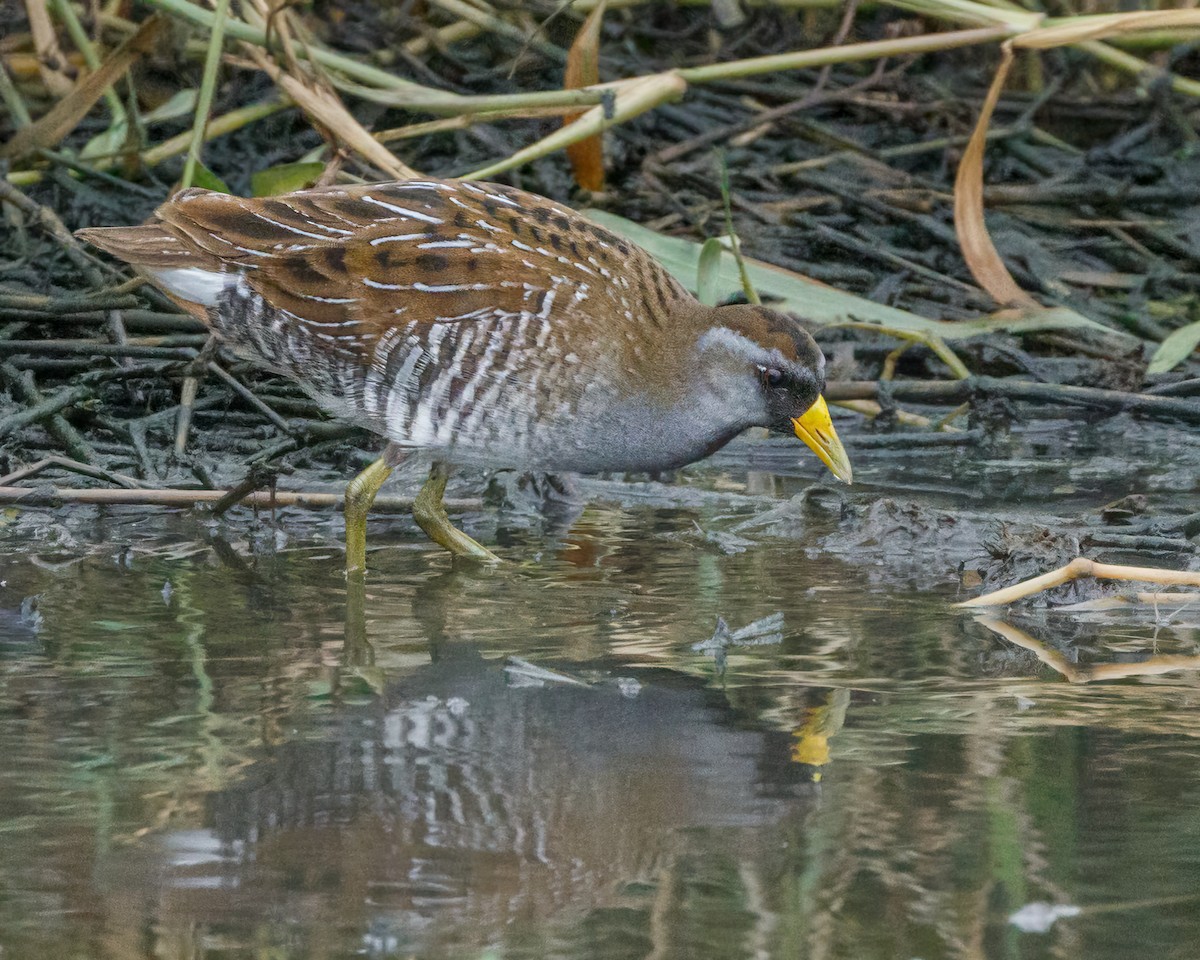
(457, 804)
(454, 804)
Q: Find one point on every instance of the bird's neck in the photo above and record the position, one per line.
(720, 377)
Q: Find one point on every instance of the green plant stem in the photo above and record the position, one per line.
(968, 11)
(644, 93)
(429, 100)
(585, 6)
(83, 43)
(500, 27)
(1156, 39)
(484, 103)
(436, 101)
(218, 126)
(13, 100)
(207, 85)
(1127, 62)
(930, 340)
(748, 287)
(634, 97)
(847, 53)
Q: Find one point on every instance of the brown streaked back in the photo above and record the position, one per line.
(342, 281)
(425, 251)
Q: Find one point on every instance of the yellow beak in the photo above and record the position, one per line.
(816, 429)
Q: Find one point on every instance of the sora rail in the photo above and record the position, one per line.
(483, 325)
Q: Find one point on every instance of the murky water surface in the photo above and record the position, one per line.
(210, 749)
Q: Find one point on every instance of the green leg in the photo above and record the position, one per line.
(360, 494)
(431, 517)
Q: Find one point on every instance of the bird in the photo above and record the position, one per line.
(483, 326)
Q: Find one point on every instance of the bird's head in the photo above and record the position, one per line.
(771, 350)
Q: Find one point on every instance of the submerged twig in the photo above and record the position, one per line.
(53, 496)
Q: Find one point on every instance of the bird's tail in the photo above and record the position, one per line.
(150, 245)
(191, 277)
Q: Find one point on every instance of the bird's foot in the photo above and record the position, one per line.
(431, 517)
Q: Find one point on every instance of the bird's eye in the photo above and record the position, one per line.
(772, 377)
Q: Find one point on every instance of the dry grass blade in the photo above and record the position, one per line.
(50, 59)
(583, 70)
(50, 130)
(983, 260)
(216, 127)
(1082, 567)
(1080, 29)
(980, 253)
(69, 17)
(330, 115)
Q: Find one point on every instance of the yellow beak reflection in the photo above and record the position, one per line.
(816, 429)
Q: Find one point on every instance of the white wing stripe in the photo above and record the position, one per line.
(403, 211)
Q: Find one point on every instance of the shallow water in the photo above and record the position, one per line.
(212, 749)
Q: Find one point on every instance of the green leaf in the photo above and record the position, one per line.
(182, 104)
(108, 142)
(205, 178)
(284, 178)
(708, 272)
(824, 305)
(1175, 349)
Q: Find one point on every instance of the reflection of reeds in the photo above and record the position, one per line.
(939, 811)
(1149, 666)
